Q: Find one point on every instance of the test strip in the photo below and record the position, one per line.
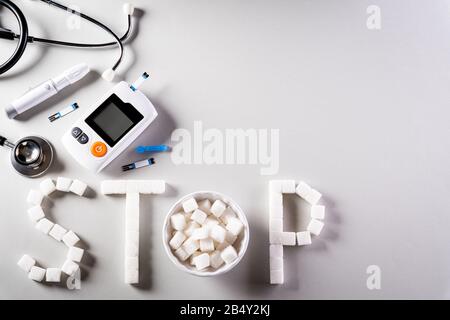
(64, 112)
(135, 86)
(138, 165)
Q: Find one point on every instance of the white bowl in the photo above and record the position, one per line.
(240, 245)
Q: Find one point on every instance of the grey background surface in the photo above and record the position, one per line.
(363, 115)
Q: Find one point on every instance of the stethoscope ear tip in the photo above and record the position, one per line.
(128, 9)
(109, 75)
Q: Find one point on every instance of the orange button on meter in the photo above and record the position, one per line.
(99, 149)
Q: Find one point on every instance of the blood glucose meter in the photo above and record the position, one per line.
(112, 124)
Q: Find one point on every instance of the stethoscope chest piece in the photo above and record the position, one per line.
(32, 156)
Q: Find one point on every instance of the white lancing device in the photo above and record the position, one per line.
(46, 90)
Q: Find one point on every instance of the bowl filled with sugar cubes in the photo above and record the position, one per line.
(206, 234)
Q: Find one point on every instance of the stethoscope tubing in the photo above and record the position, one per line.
(23, 38)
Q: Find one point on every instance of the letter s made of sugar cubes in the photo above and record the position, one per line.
(60, 234)
(279, 238)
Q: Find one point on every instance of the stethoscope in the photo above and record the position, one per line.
(31, 157)
(24, 38)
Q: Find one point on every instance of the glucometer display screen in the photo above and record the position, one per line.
(114, 119)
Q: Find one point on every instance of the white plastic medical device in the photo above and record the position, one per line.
(111, 125)
(46, 90)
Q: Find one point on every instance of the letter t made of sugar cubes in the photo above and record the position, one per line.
(133, 190)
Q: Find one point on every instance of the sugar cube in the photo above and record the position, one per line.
(146, 186)
(53, 275)
(276, 264)
(114, 187)
(132, 206)
(177, 240)
(289, 239)
(178, 221)
(190, 228)
(63, 184)
(36, 213)
(132, 224)
(131, 263)
(229, 213)
(131, 276)
(315, 227)
(276, 225)
(35, 198)
(136, 186)
(303, 190)
(276, 251)
(230, 238)
(57, 232)
(216, 259)
(276, 199)
(190, 246)
(200, 233)
(78, 187)
(222, 246)
(131, 249)
(207, 245)
(218, 208)
(190, 205)
(202, 262)
(211, 221)
(276, 212)
(132, 270)
(304, 238)
(26, 263)
(69, 267)
(318, 212)
(37, 274)
(75, 254)
(133, 186)
(229, 255)
(199, 216)
(47, 187)
(181, 254)
(70, 239)
(283, 238)
(288, 187)
(313, 197)
(132, 237)
(45, 226)
(195, 255)
(159, 186)
(277, 277)
(218, 234)
(235, 226)
(276, 186)
(205, 206)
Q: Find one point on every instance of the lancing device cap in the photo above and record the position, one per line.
(11, 112)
